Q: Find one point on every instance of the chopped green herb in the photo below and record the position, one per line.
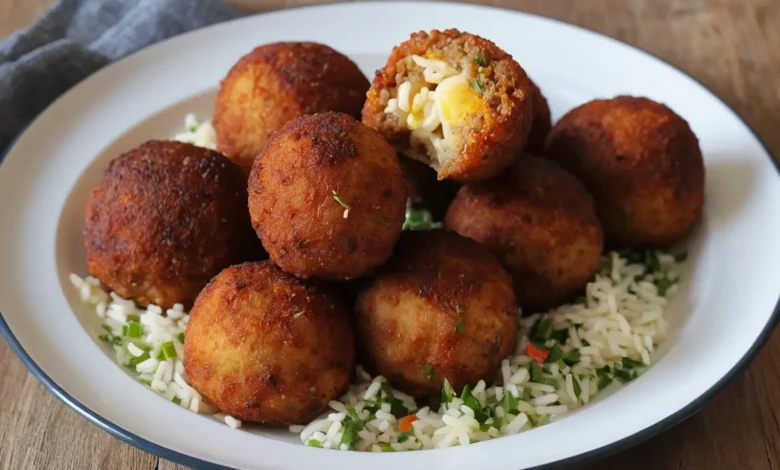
(580, 299)
(480, 60)
(527, 394)
(477, 84)
(603, 378)
(137, 360)
(314, 443)
(560, 335)
(652, 261)
(555, 354)
(168, 350)
(132, 330)
(146, 382)
(180, 337)
(459, 326)
(572, 358)
(447, 393)
(541, 330)
(509, 403)
(484, 427)
(404, 436)
(629, 363)
(341, 202)
(680, 258)
(349, 436)
(419, 219)
(663, 285)
(385, 447)
(429, 372)
(160, 355)
(576, 385)
(473, 402)
(585, 342)
(536, 373)
(353, 419)
(176, 400)
(538, 420)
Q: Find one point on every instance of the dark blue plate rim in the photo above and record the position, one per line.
(595, 454)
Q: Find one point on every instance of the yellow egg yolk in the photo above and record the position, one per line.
(457, 99)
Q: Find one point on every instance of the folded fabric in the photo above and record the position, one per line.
(75, 38)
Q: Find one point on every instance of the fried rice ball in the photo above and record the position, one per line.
(443, 307)
(327, 197)
(454, 101)
(266, 347)
(425, 191)
(541, 122)
(276, 83)
(164, 219)
(642, 164)
(541, 224)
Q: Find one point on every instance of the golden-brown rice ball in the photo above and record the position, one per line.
(540, 124)
(327, 197)
(165, 218)
(266, 347)
(642, 164)
(540, 222)
(443, 307)
(476, 120)
(276, 83)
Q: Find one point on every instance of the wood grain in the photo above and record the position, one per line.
(732, 46)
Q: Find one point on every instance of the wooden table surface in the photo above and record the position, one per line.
(732, 46)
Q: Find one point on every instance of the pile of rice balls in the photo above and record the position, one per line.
(404, 224)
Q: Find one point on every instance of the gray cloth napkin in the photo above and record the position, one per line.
(77, 37)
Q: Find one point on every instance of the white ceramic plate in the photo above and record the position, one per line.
(722, 315)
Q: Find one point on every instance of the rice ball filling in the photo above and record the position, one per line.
(435, 108)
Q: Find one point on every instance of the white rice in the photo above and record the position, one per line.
(197, 133)
(620, 317)
(147, 344)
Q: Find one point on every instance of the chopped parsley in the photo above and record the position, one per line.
(480, 60)
(429, 372)
(418, 218)
(341, 202)
(541, 330)
(555, 354)
(477, 84)
(652, 260)
(447, 393)
(663, 285)
(572, 357)
(603, 377)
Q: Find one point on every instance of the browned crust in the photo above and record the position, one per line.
(164, 219)
(266, 347)
(493, 140)
(441, 300)
(277, 82)
(641, 162)
(292, 204)
(541, 122)
(540, 222)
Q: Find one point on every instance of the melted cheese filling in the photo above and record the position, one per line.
(433, 111)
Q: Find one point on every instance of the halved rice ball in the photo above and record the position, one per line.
(453, 100)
